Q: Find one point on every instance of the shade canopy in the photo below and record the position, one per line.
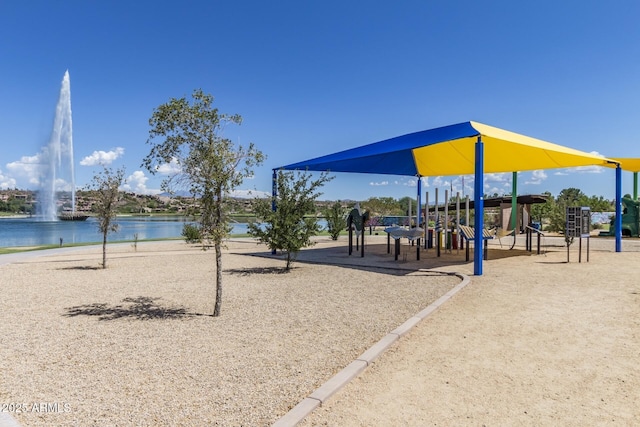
(449, 150)
(628, 164)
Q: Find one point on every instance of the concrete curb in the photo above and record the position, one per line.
(6, 420)
(355, 368)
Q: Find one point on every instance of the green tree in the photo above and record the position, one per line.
(189, 135)
(554, 210)
(600, 204)
(404, 205)
(336, 219)
(381, 206)
(567, 198)
(289, 227)
(542, 211)
(191, 233)
(105, 185)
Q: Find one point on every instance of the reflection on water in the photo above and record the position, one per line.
(29, 232)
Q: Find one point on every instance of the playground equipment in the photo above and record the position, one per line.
(630, 218)
(355, 222)
(442, 224)
(499, 208)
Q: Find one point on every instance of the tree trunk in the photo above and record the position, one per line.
(104, 250)
(216, 310)
(288, 261)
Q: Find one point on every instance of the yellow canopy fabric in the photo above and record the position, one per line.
(504, 151)
(628, 163)
(450, 150)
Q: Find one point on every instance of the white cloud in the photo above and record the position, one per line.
(466, 184)
(379, 184)
(580, 169)
(583, 169)
(438, 181)
(587, 169)
(249, 194)
(137, 183)
(62, 185)
(28, 168)
(6, 182)
(489, 190)
(102, 157)
(537, 176)
(497, 177)
(171, 168)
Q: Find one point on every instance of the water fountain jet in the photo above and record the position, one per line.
(57, 173)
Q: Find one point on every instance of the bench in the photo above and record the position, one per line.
(468, 234)
(397, 233)
(529, 236)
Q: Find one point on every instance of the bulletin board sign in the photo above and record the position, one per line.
(578, 222)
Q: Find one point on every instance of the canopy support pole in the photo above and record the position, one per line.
(618, 224)
(478, 217)
(457, 222)
(418, 215)
(446, 221)
(635, 186)
(466, 210)
(419, 202)
(274, 195)
(426, 221)
(438, 232)
(514, 200)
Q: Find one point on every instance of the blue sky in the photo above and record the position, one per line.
(313, 78)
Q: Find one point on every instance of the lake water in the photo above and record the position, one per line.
(30, 232)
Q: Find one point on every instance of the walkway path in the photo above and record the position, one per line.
(535, 341)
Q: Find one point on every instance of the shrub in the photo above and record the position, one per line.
(336, 220)
(191, 233)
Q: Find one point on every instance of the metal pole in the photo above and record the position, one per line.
(514, 200)
(350, 228)
(435, 212)
(457, 222)
(478, 196)
(466, 210)
(466, 219)
(274, 195)
(437, 233)
(419, 202)
(446, 219)
(580, 249)
(618, 208)
(426, 221)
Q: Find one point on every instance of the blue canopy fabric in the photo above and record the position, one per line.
(389, 157)
(449, 150)
(460, 149)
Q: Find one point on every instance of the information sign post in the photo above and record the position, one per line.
(578, 224)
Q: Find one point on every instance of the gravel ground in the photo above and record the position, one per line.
(135, 345)
(534, 341)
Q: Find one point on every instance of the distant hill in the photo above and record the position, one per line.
(238, 194)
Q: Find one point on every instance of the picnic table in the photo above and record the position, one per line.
(397, 233)
(469, 233)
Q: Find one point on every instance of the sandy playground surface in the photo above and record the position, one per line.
(534, 341)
